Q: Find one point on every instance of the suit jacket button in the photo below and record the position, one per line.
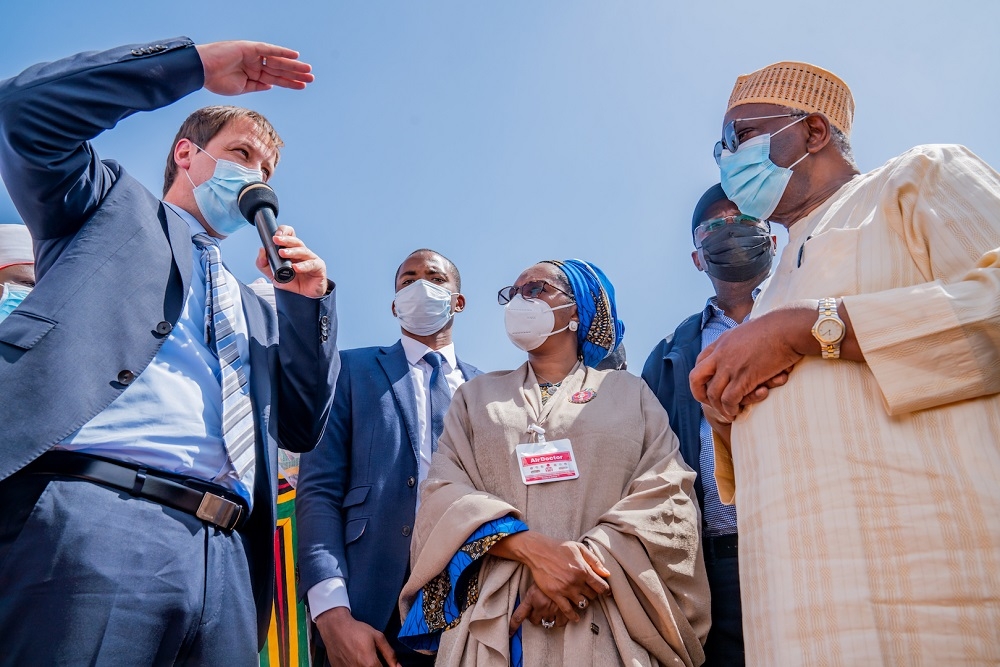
(126, 377)
(324, 320)
(406, 531)
(136, 52)
(163, 328)
(410, 482)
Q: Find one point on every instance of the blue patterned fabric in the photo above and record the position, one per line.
(516, 646)
(600, 329)
(440, 603)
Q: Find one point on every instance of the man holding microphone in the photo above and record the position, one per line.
(139, 454)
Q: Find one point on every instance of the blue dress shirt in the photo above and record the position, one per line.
(170, 417)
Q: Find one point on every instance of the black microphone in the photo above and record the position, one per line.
(259, 205)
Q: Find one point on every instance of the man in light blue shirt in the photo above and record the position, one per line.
(736, 252)
(138, 458)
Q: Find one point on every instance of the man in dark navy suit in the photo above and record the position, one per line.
(138, 456)
(736, 251)
(357, 493)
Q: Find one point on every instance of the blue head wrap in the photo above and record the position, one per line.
(600, 329)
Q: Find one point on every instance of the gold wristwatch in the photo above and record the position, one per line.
(829, 329)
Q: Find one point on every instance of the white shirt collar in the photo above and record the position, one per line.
(415, 351)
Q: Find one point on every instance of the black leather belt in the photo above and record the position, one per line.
(209, 502)
(721, 546)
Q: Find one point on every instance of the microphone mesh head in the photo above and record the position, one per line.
(253, 196)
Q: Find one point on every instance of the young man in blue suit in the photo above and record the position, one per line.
(357, 492)
(736, 251)
(138, 456)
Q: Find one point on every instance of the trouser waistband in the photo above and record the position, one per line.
(209, 502)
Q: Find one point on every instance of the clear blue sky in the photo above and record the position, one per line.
(502, 133)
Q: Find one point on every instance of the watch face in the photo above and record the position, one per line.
(829, 330)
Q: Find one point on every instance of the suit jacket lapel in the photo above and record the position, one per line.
(180, 245)
(468, 372)
(397, 370)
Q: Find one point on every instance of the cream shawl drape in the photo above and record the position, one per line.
(633, 505)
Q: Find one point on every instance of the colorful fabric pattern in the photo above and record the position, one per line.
(288, 637)
(439, 605)
(600, 329)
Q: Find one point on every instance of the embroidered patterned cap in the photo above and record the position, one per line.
(799, 86)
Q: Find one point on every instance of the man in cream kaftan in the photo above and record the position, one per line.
(870, 492)
(867, 486)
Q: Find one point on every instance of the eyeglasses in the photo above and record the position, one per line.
(529, 290)
(731, 139)
(715, 224)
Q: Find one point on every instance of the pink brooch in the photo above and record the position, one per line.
(583, 396)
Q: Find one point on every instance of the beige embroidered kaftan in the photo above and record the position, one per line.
(869, 493)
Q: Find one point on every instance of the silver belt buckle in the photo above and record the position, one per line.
(219, 511)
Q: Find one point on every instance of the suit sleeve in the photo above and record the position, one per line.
(51, 111)
(308, 367)
(323, 479)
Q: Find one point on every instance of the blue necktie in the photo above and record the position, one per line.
(220, 335)
(440, 397)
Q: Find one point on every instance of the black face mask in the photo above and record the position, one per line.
(737, 253)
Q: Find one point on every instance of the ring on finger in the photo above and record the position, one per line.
(582, 604)
(263, 61)
(548, 624)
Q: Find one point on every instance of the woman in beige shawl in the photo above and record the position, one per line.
(605, 566)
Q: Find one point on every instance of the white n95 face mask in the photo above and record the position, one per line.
(529, 322)
(423, 308)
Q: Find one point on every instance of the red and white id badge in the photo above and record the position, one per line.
(549, 461)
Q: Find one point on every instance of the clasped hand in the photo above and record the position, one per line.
(566, 575)
(745, 363)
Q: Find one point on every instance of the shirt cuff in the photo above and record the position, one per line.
(326, 595)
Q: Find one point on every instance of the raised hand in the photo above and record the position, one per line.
(234, 68)
(310, 269)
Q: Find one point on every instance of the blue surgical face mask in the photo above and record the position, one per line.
(216, 197)
(751, 180)
(11, 297)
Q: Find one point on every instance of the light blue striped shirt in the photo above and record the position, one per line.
(720, 519)
(170, 417)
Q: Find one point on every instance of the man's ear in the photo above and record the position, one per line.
(184, 152)
(394, 308)
(819, 132)
(459, 303)
(696, 258)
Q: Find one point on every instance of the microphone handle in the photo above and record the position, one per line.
(267, 227)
